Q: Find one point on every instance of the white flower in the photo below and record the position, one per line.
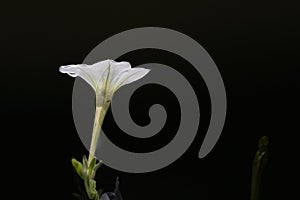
(105, 77)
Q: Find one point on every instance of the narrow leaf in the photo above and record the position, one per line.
(77, 166)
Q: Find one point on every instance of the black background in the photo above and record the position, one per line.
(255, 45)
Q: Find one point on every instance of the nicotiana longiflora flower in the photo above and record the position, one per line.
(105, 77)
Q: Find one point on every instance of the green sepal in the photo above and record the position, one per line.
(87, 172)
(78, 167)
(91, 167)
(85, 162)
(97, 165)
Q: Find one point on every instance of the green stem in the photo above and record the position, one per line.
(98, 121)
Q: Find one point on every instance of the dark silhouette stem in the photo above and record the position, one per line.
(259, 163)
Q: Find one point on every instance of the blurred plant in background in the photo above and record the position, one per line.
(259, 163)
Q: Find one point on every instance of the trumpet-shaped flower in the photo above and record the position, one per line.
(105, 77)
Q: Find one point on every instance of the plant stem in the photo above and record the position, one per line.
(98, 121)
(259, 163)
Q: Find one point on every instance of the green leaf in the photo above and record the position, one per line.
(87, 188)
(78, 167)
(90, 187)
(87, 172)
(93, 186)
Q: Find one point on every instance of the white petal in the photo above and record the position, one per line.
(98, 72)
(108, 72)
(72, 70)
(99, 69)
(118, 68)
(106, 76)
(92, 74)
(132, 75)
(79, 70)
